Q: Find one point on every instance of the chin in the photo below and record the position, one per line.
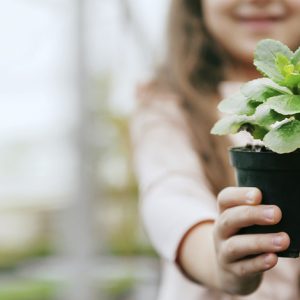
(246, 54)
(292, 44)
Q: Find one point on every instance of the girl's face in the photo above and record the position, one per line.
(239, 24)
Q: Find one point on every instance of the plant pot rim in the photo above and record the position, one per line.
(246, 149)
(245, 158)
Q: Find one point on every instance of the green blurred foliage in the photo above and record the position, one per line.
(117, 289)
(124, 233)
(10, 259)
(35, 290)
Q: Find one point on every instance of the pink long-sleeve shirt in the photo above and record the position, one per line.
(175, 195)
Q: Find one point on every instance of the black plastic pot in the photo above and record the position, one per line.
(278, 177)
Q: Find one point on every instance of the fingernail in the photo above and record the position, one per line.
(251, 196)
(268, 260)
(269, 213)
(277, 240)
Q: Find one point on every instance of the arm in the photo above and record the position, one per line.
(181, 214)
(174, 194)
(236, 262)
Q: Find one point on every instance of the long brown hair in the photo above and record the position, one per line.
(193, 68)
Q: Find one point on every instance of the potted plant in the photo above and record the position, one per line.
(269, 109)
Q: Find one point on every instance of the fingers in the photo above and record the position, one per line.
(246, 256)
(234, 196)
(241, 246)
(252, 266)
(247, 273)
(232, 220)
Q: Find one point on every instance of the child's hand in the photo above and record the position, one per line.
(243, 258)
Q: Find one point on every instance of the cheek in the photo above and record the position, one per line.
(234, 40)
(216, 19)
(294, 5)
(215, 14)
(223, 28)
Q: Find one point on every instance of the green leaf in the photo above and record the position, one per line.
(285, 104)
(296, 57)
(265, 58)
(297, 66)
(258, 132)
(281, 62)
(289, 69)
(292, 80)
(285, 138)
(261, 89)
(265, 116)
(237, 104)
(230, 124)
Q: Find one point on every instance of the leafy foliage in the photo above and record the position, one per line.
(28, 290)
(268, 108)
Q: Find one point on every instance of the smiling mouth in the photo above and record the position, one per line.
(260, 19)
(259, 23)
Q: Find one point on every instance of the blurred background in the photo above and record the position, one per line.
(69, 224)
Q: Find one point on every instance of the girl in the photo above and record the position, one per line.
(190, 209)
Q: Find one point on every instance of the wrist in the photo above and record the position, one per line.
(196, 255)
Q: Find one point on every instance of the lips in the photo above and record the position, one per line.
(260, 18)
(260, 22)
